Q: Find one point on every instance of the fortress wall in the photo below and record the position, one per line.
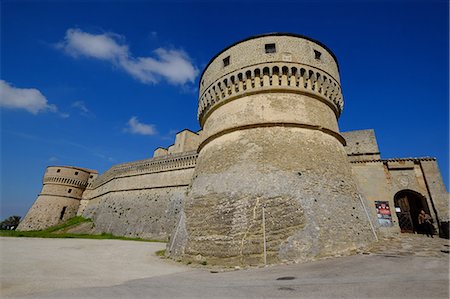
(381, 180)
(133, 181)
(361, 145)
(142, 199)
(91, 179)
(185, 141)
(144, 213)
(375, 184)
(160, 152)
(46, 212)
(436, 188)
(59, 199)
(152, 165)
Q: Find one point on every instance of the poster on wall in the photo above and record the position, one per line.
(383, 213)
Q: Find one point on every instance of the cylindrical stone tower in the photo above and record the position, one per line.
(268, 108)
(59, 199)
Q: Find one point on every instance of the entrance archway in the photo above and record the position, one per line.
(408, 205)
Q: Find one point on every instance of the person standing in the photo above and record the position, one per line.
(425, 223)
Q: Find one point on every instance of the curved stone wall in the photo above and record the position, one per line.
(271, 109)
(296, 64)
(270, 139)
(252, 51)
(59, 199)
(274, 76)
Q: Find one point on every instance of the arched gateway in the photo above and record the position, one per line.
(408, 204)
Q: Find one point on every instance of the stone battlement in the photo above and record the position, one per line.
(269, 178)
(152, 165)
(271, 77)
(412, 159)
(65, 181)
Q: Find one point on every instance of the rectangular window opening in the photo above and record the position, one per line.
(59, 170)
(317, 54)
(69, 191)
(226, 61)
(76, 172)
(270, 48)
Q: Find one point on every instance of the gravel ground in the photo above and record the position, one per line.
(30, 265)
(409, 266)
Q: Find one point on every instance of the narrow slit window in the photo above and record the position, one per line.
(63, 211)
(270, 48)
(317, 54)
(226, 61)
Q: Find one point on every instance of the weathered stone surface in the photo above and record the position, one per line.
(59, 199)
(269, 145)
(270, 141)
(382, 180)
(361, 145)
(310, 201)
(149, 214)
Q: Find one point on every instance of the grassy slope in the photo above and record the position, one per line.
(54, 232)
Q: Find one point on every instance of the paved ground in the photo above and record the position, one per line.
(411, 267)
(411, 245)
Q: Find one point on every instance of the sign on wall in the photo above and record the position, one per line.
(383, 213)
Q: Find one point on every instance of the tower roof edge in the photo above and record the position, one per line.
(270, 34)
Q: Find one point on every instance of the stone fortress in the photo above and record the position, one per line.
(268, 178)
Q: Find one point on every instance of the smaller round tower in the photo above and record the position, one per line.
(59, 199)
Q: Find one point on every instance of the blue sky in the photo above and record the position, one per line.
(92, 84)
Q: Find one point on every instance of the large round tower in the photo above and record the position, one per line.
(268, 108)
(59, 200)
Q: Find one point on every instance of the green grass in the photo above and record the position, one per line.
(53, 232)
(70, 222)
(161, 253)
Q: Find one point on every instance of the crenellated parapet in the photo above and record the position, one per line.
(270, 143)
(59, 199)
(65, 181)
(153, 165)
(277, 76)
(278, 63)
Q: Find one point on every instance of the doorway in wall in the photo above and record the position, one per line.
(408, 205)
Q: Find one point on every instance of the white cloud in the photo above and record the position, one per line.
(80, 105)
(173, 65)
(136, 127)
(29, 99)
(101, 46)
